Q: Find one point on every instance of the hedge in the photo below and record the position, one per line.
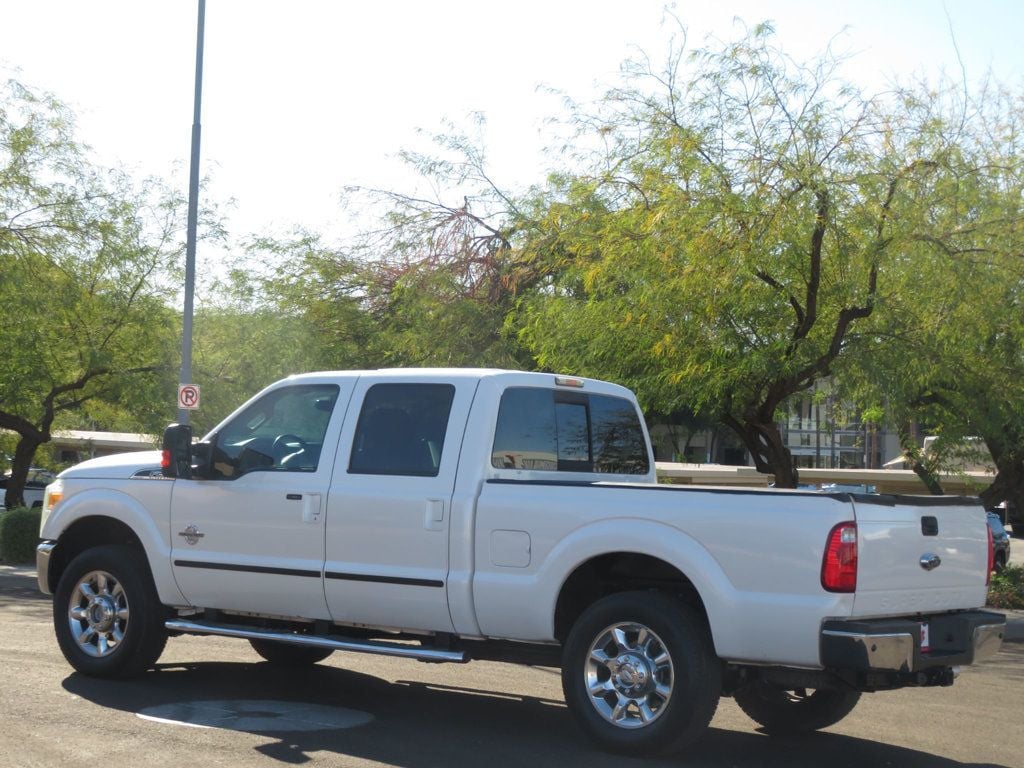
(1007, 588)
(19, 534)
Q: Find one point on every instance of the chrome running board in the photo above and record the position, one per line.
(333, 642)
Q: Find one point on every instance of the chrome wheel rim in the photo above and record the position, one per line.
(629, 675)
(98, 614)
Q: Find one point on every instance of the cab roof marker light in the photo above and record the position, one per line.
(568, 381)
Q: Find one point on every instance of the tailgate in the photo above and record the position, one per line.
(899, 535)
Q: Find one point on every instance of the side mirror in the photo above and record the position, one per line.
(177, 451)
(202, 455)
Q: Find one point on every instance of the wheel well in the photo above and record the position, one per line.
(619, 572)
(85, 534)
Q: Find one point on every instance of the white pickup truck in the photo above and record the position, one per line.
(450, 515)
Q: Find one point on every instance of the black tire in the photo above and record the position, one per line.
(780, 711)
(119, 631)
(692, 675)
(289, 655)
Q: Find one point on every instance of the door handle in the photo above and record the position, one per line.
(293, 496)
(433, 518)
(310, 506)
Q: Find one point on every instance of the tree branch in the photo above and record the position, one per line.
(768, 279)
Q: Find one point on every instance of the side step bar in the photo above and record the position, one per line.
(333, 642)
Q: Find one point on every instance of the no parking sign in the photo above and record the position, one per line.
(188, 396)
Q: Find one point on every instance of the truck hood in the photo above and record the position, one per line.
(120, 465)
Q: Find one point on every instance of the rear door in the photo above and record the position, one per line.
(919, 554)
(389, 508)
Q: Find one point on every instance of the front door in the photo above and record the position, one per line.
(251, 538)
(389, 509)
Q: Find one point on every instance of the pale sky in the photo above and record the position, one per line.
(302, 98)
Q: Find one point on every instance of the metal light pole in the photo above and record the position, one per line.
(193, 217)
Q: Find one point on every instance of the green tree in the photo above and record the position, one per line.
(84, 256)
(445, 273)
(733, 237)
(289, 305)
(432, 284)
(948, 347)
(318, 289)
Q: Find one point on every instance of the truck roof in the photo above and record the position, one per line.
(474, 373)
(522, 377)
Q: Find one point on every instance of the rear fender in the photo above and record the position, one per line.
(647, 538)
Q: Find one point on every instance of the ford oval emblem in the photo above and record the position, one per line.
(930, 562)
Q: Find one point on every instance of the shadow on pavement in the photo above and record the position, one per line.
(421, 724)
(20, 592)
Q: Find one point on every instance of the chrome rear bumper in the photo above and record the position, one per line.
(894, 645)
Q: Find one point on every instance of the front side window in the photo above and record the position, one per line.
(401, 430)
(282, 431)
(553, 430)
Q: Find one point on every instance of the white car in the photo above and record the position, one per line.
(35, 486)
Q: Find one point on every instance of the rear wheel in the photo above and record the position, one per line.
(639, 673)
(289, 655)
(108, 618)
(799, 710)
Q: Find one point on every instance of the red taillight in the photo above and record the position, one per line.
(165, 459)
(991, 556)
(839, 565)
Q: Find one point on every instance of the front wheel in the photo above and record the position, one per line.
(106, 613)
(289, 655)
(799, 710)
(639, 673)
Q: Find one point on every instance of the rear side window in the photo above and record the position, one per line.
(558, 431)
(401, 430)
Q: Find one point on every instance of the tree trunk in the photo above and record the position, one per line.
(930, 481)
(686, 446)
(915, 456)
(32, 435)
(771, 455)
(1008, 484)
(24, 452)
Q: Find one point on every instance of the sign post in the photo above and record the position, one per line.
(193, 215)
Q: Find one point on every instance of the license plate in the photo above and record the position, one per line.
(925, 642)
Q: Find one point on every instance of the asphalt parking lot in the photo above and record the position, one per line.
(211, 702)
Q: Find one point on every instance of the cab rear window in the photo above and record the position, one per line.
(557, 431)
